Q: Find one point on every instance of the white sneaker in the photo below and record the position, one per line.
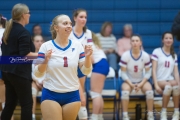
(175, 116)
(150, 117)
(126, 118)
(163, 116)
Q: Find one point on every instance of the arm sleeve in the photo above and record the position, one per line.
(124, 60)
(24, 43)
(81, 54)
(41, 54)
(147, 61)
(154, 55)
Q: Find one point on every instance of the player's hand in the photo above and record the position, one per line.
(136, 88)
(88, 50)
(48, 55)
(158, 89)
(39, 85)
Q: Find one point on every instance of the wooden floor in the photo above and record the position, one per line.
(108, 108)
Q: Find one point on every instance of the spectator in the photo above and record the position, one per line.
(123, 44)
(108, 42)
(37, 30)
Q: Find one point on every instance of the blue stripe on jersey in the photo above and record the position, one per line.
(77, 36)
(63, 49)
(155, 56)
(82, 55)
(165, 53)
(123, 62)
(41, 55)
(133, 57)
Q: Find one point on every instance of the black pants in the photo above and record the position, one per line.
(17, 88)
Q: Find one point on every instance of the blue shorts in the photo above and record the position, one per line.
(61, 98)
(80, 74)
(101, 67)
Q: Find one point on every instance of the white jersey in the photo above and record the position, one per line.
(86, 39)
(1, 35)
(135, 67)
(165, 64)
(61, 72)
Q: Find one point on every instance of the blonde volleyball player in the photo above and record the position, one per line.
(100, 66)
(61, 58)
(165, 74)
(132, 63)
(36, 87)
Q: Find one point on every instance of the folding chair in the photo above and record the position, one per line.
(133, 94)
(109, 90)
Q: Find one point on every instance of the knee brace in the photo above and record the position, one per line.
(82, 114)
(167, 90)
(149, 94)
(94, 94)
(125, 95)
(175, 90)
(34, 92)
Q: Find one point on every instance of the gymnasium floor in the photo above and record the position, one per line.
(107, 108)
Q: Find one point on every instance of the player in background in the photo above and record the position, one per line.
(133, 62)
(166, 75)
(84, 36)
(36, 87)
(61, 57)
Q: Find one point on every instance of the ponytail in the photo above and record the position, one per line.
(7, 30)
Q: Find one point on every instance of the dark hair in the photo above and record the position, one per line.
(75, 14)
(172, 47)
(35, 25)
(3, 21)
(105, 24)
(135, 35)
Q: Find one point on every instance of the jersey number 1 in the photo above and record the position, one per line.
(167, 64)
(65, 62)
(135, 68)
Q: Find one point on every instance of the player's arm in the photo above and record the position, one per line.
(125, 77)
(175, 71)
(147, 72)
(86, 65)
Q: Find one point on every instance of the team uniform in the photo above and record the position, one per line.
(61, 83)
(165, 64)
(135, 67)
(100, 64)
(1, 35)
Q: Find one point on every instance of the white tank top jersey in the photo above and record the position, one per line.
(86, 39)
(165, 64)
(1, 35)
(134, 66)
(61, 72)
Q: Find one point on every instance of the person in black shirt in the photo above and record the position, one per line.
(176, 27)
(17, 77)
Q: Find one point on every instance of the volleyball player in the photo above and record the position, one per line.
(100, 70)
(36, 87)
(61, 58)
(166, 75)
(132, 63)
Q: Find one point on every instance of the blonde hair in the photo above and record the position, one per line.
(17, 12)
(104, 27)
(54, 22)
(96, 40)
